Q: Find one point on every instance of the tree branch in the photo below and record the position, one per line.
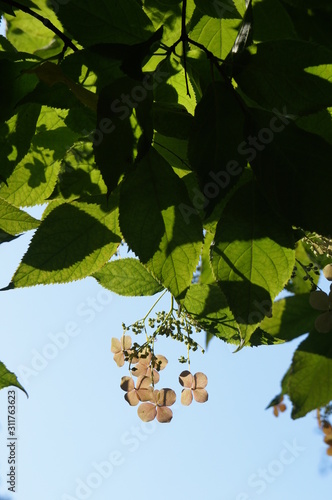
(46, 22)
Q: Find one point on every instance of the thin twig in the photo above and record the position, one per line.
(46, 22)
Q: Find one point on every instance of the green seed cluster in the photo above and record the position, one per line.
(176, 324)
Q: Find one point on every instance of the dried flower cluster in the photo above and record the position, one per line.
(326, 427)
(145, 366)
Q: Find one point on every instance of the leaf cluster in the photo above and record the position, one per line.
(198, 134)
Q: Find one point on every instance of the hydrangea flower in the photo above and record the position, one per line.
(194, 386)
(142, 392)
(158, 406)
(279, 407)
(118, 346)
(322, 302)
(144, 368)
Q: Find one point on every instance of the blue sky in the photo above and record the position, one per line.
(79, 439)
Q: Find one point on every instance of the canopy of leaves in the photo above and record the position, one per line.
(199, 134)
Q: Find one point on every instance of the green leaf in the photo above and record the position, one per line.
(8, 379)
(29, 34)
(265, 75)
(172, 120)
(127, 277)
(15, 137)
(271, 21)
(309, 383)
(282, 159)
(253, 256)
(79, 175)
(206, 276)
(218, 8)
(35, 176)
(153, 224)
(291, 317)
(213, 151)
(72, 242)
(132, 57)
(15, 221)
(94, 21)
(114, 137)
(217, 35)
(297, 284)
(17, 84)
(207, 305)
(311, 4)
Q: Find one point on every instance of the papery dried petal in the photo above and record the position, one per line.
(200, 395)
(186, 379)
(126, 342)
(127, 384)
(319, 300)
(282, 407)
(115, 345)
(143, 382)
(323, 323)
(329, 451)
(326, 427)
(275, 411)
(327, 271)
(160, 362)
(145, 357)
(186, 397)
(147, 412)
(119, 359)
(140, 370)
(328, 439)
(145, 394)
(164, 414)
(132, 398)
(166, 397)
(200, 380)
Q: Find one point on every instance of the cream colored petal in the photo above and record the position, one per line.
(115, 345)
(126, 342)
(155, 396)
(156, 376)
(127, 384)
(146, 412)
(132, 398)
(200, 395)
(186, 397)
(160, 362)
(200, 380)
(186, 379)
(327, 271)
(145, 360)
(323, 323)
(119, 359)
(319, 300)
(143, 382)
(166, 397)
(164, 414)
(145, 394)
(140, 370)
